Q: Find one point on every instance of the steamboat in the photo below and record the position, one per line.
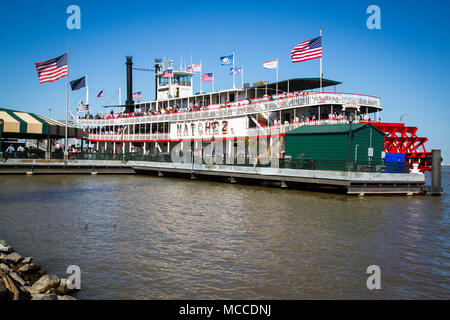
(261, 111)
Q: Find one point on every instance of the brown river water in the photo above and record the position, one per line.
(145, 237)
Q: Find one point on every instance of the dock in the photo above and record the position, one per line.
(359, 183)
(352, 183)
(43, 166)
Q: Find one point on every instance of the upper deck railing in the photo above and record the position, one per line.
(243, 107)
(273, 130)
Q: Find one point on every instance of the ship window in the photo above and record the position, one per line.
(180, 80)
(184, 80)
(163, 81)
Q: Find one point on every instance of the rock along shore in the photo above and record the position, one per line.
(22, 279)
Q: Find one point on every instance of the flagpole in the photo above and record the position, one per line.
(277, 79)
(201, 88)
(321, 74)
(234, 74)
(87, 91)
(242, 77)
(66, 154)
(213, 81)
(120, 101)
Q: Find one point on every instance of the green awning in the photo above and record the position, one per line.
(26, 125)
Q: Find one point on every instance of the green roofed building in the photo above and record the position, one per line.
(25, 125)
(328, 145)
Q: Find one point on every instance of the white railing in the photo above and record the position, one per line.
(129, 137)
(251, 132)
(240, 108)
(284, 128)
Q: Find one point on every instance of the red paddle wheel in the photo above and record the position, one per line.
(402, 139)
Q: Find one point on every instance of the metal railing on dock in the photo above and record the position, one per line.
(376, 165)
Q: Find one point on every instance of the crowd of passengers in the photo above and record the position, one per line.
(149, 129)
(141, 113)
(178, 108)
(166, 110)
(200, 106)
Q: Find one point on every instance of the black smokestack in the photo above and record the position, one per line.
(157, 70)
(129, 103)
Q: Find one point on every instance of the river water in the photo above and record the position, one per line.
(144, 237)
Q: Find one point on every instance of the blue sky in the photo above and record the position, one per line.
(406, 63)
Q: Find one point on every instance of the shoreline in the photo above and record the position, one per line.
(22, 279)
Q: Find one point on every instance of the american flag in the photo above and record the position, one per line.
(137, 95)
(167, 73)
(52, 70)
(307, 50)
(206, 77)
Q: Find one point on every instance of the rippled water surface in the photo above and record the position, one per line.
(142, 237)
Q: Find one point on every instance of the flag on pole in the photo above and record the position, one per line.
(78, 84)
(235, 71)
(52, 70)
(227, 59)
(71, 116)
(167, 74)
(137, 95)
(207, 77)
(100, 94)
(196, 67)
(271, 64)
(307, 50)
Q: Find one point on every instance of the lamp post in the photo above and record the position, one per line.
(213, 151)
(123, 144)
(2, 122)
(350, 120)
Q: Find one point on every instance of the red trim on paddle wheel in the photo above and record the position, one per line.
(402, 139)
